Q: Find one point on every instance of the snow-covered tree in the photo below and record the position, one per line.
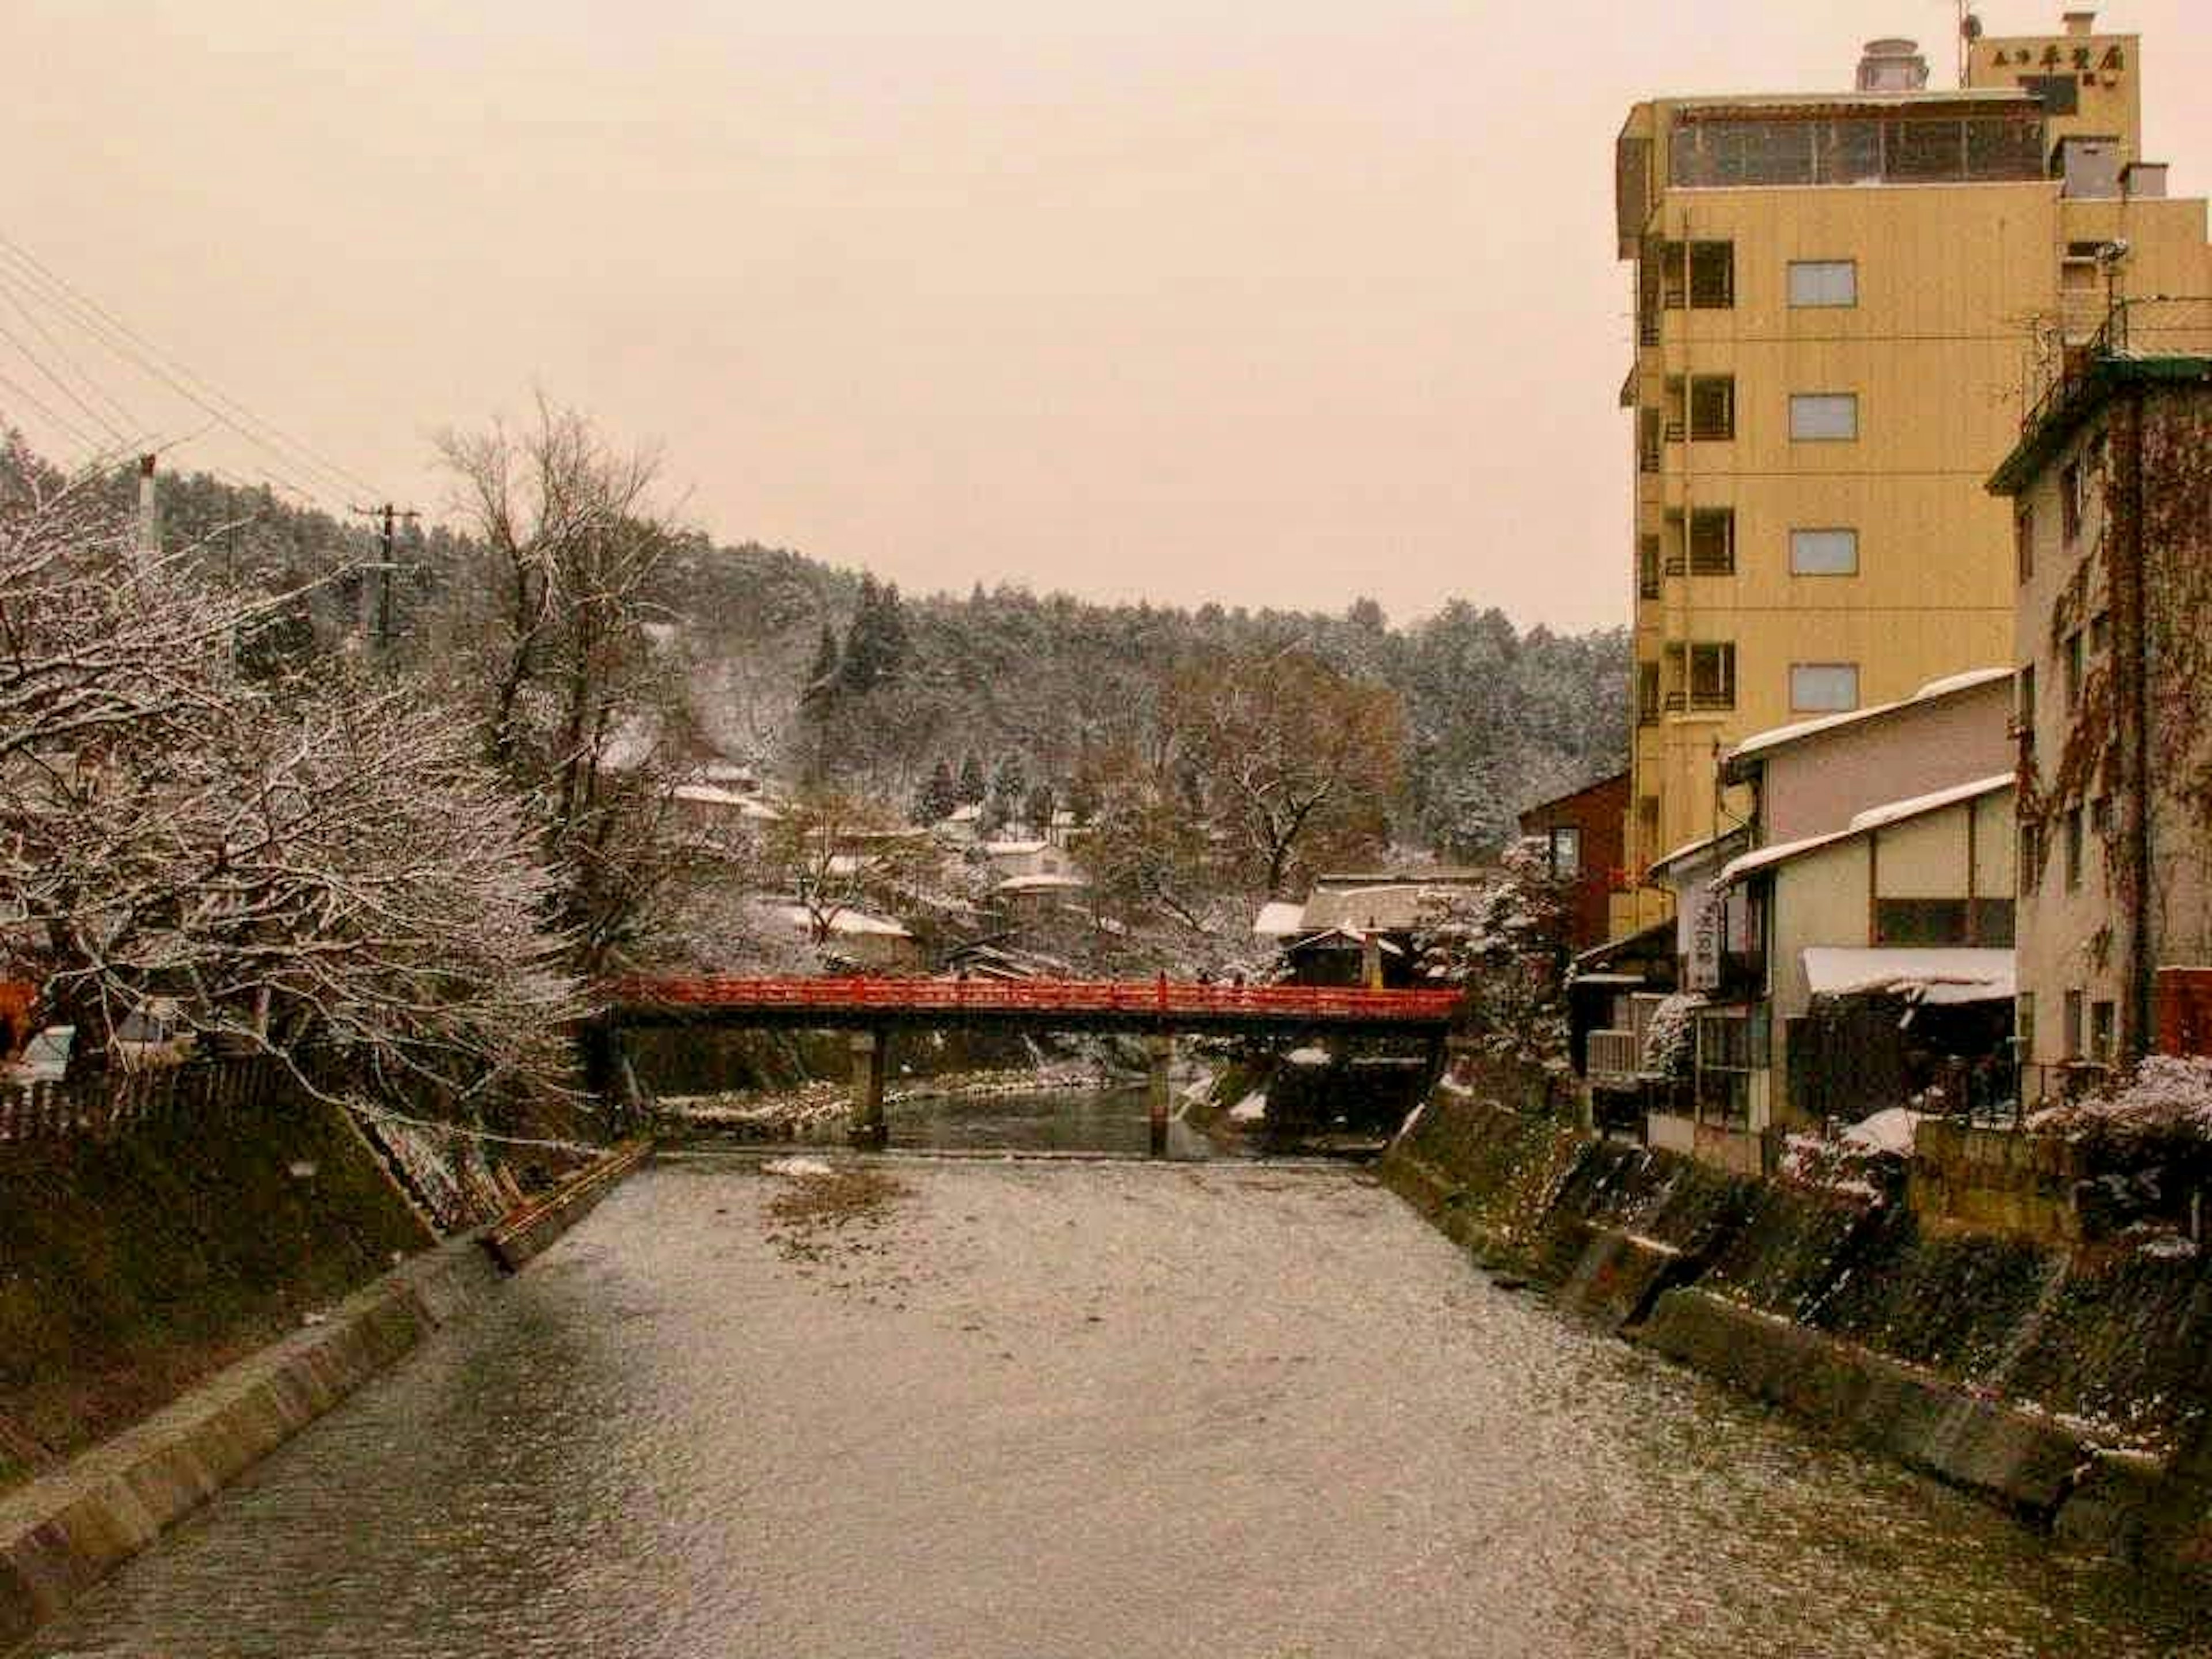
(551, 652)
(288, 854)
(1503, 942)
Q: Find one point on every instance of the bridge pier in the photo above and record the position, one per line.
(1159, 1050)
(871, 1053)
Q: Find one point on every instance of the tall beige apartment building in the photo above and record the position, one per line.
(1841, 302)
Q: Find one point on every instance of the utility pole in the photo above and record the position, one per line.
(388, 517)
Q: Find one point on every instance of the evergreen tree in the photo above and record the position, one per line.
(876, 644)
(820, 690)
(1037, 807)
(971, 787)
(1008, 783)
(939, 795)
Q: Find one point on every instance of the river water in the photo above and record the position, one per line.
(1040, 1407)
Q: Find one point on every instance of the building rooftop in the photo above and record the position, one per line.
(1762, 743)
(1875, 817)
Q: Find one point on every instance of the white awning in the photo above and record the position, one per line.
(1940, 974)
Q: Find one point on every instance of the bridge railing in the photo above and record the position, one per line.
(1168, 999)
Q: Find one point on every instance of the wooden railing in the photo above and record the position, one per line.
(105, 1104)
(1168, 999)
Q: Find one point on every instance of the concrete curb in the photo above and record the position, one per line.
(526, 1232)
(62, 1533)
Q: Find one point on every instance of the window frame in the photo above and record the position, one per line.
(1790, 290)
(1805, 401)
(1796, 707)
(1797, 568)
(1706, 294)
(1718, 656)
(1705, 516)
(1703, 431)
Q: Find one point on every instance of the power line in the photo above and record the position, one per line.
(72, 428)
(120, 338)
(61, 385)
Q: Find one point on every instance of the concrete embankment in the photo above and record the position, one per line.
(2066, 1384)
(62, 1533)
(65, 1528)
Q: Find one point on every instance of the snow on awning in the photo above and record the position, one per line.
(1280, 918)
(1940, 974)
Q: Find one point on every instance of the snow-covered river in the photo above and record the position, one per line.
(1052, 1407)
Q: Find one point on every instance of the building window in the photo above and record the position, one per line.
(1824, 283)
(1647, 693)
(2074, 849)
(2023, 545)
(1919, 921)
(2031, 857)
(1566, 852)
(1712, 276)
(2070, 502)
(1712, 676)
(2024, 720)
(1647, 567)
(2072, 1034)
(2102, 1025)
(1648, 431)
(2023, 1026)
(1712, 541)
(1824, 552)
(1820, 688)
(1729, 1048)
(1824, 417)
(1712, 408)
(1993, 921)
(2071, 653)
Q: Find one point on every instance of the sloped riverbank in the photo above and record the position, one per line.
(2067, 1385)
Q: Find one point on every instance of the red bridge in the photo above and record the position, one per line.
(1159, 1005)
(873, 1009)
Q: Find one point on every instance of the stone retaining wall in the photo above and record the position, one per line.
(2068, 1386)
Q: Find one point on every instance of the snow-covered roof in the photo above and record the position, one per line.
(1042, 883)
(1688, 849)
(1014, 849)
(1890, 812)
(1873, 818)
(846, 921)
(1940, 973)
(1280, 918)
(1395, 908)
(1345, 936)
(1760, 743)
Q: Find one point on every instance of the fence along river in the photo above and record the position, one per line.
(1020, 1407)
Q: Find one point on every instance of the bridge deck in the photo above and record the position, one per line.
(1036, 1004)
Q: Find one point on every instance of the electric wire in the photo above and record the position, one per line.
(127, 343)
(10, 286)
(45, 372)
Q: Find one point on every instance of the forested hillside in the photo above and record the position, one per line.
(1494, 718)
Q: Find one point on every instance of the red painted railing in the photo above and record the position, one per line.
(1168, 999)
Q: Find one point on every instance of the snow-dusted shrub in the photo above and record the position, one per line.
(2166, 1098)
(1669, 1041)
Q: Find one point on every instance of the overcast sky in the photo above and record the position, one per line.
(1268, 301)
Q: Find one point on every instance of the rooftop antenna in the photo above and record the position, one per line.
(1969, 30)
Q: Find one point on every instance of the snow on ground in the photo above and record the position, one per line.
(796, 1168)
(1308, 1055)
(1250, 1109)
(1886, 1131)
